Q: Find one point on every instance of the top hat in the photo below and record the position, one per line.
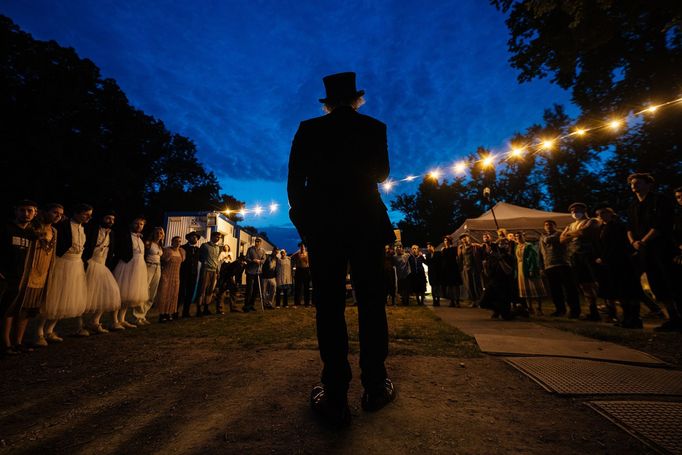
(340, 86)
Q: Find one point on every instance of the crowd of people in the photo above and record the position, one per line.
(596, 258)
(55, 267)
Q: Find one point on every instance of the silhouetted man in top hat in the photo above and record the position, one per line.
(336, 162)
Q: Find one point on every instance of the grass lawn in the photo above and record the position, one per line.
(412, 331)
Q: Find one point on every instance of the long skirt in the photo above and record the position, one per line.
(67, 289)
(103, 292)
(131, 277)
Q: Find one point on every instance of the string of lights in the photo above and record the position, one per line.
(516, 152)
(541, 144)
(257, 210)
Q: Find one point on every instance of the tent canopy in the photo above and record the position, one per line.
(512, 218)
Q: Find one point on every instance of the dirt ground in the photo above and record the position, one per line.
(146, 393)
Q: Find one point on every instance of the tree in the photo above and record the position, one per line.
(614, 57)
(70, 136)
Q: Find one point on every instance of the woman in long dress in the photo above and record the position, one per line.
(169, 283)
(531, 286)
(104, 295)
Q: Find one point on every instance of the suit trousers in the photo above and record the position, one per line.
(328, 269)
(563, 289)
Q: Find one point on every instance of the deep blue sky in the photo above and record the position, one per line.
(238, 76)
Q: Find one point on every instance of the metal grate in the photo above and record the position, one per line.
(656, 423)
(588, 377)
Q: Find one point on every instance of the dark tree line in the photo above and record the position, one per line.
(615, 58)
(68, 135)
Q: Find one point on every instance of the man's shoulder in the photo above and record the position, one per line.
(326, 119)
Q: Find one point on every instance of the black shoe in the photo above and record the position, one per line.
(269, 307)
(332, 412)
(206, 311)
(175, 316)
(669, 326)
(375, 400)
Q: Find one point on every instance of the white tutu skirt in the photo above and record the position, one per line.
(103, 292)
(67, 289)
(131, 277)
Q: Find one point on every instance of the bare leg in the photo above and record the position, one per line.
(22, 323)
(6, 331)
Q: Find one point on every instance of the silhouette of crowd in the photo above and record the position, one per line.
(609, 262)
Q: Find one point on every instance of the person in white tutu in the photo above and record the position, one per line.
(103, 293)
(130, 272)
(153, 250)
(67, 289)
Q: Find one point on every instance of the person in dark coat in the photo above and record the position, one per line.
(189, 272)
(434, 261)
(618, 278)
(452, 278)
(336, 162)
(650, 232)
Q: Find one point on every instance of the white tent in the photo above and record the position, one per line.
(512, 218)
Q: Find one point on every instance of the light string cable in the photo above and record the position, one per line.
(535, 147)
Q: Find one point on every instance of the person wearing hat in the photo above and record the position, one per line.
(335, 165)
(16, 237)
(650, 232)
(189, 272)
(579, 238)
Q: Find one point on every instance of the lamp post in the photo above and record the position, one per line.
(486, 196)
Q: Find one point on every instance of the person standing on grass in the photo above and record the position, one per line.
(401, 262)
(169, 283)
(284, 279)
(651, 217)
(67, 287)
(15, 240)
(579, 238)
(434, 261)
(189, 272)
(418, 276)
(103, 293)
(130, 272)
(209, 256)
(270, 279)
(38, 265)
(255, 256)
(329, 205)
(452, 278)
(301, 276)
(153, 250)
(562, 287)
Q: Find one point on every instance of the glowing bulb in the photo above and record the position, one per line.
(488, 161)
(273, 207)
(258, 210)
(652, 109)
(460, 167)
(516, 152)
(548, 144)
(435, 174)
(580, 132)
(409, 178)
(387, 185)
(227, 211)
(615, 124)
(242, 212)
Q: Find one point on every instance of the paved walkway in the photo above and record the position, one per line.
(632, 389)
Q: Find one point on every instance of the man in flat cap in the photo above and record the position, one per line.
(335, 165)
(650, 232)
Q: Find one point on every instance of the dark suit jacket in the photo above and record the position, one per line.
(91, 234)
(336, 162)
(124, 245)
(64, 236)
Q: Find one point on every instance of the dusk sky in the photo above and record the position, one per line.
(238, 77)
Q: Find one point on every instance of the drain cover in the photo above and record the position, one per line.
(656, 423)
(588, 377)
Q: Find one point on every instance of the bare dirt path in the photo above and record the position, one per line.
(151, 393)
